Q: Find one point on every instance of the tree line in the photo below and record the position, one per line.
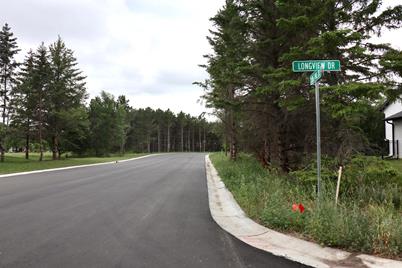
(44, 108)
(117, 127)
(269, 110)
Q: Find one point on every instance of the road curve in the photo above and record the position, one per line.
(152, 212)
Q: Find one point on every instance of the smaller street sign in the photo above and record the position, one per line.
(314, 65)
(314, 77)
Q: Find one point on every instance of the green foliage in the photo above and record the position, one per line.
(74, 137)
(370, 171)
(106, 122)
(364, 179)
(360, 222)
(251, 82)
(308, 174)
(66, 94)
(8, 66)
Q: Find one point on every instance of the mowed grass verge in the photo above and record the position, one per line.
(16, 162)
(368, 218)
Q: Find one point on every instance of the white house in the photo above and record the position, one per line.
(393, 127)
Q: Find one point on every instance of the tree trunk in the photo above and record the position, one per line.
(123, 144)
(199, 139)
(27, 147)
(233, 144)
(226, 144)
(284, 148)
(232, 137)
(41, 151)
(159, 139)
(168, 139)
(193, 142)
(27, 141)
(149, 145)
(40, 129)
(182, 139)
(188, 140)
(2, 149)
(1, 153)
(204, 142)
(4, 96)
(55, 149)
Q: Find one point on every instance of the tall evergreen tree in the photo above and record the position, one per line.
(122, 117)
(66, 91)
(225, 66)
(8, 65)
(181, 120)
(23, 101)
(159, 121)
(169, 119)
(41, 88)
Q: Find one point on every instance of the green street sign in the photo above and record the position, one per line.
(315, 65)
(318, 67)
(314, 77)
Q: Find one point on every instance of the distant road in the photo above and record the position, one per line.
(151, 212)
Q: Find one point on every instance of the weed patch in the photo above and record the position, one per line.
(368, 218)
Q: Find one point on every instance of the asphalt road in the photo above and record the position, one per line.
(151, 212)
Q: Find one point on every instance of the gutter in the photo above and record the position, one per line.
(393, 137)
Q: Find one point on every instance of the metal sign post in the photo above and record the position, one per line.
(318, 129)
(317, 67)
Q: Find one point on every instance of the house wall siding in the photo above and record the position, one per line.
(398, 134)
(392, 109)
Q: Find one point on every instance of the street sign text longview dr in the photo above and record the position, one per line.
(315, 65)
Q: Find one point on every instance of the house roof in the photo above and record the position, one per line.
(394, 116)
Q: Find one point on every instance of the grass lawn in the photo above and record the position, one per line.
(16, 162)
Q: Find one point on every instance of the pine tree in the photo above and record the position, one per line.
(8, 65)
(181, 120)
(159, 121)
(23, 101)
(122, 125)
(225, 66)
(66, 90)
(41, 94)
(169, 119)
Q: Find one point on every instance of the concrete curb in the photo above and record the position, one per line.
(73, 167)
(228, 215)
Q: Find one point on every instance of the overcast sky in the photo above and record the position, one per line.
(148, 50)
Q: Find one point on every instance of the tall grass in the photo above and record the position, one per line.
(368, 218)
